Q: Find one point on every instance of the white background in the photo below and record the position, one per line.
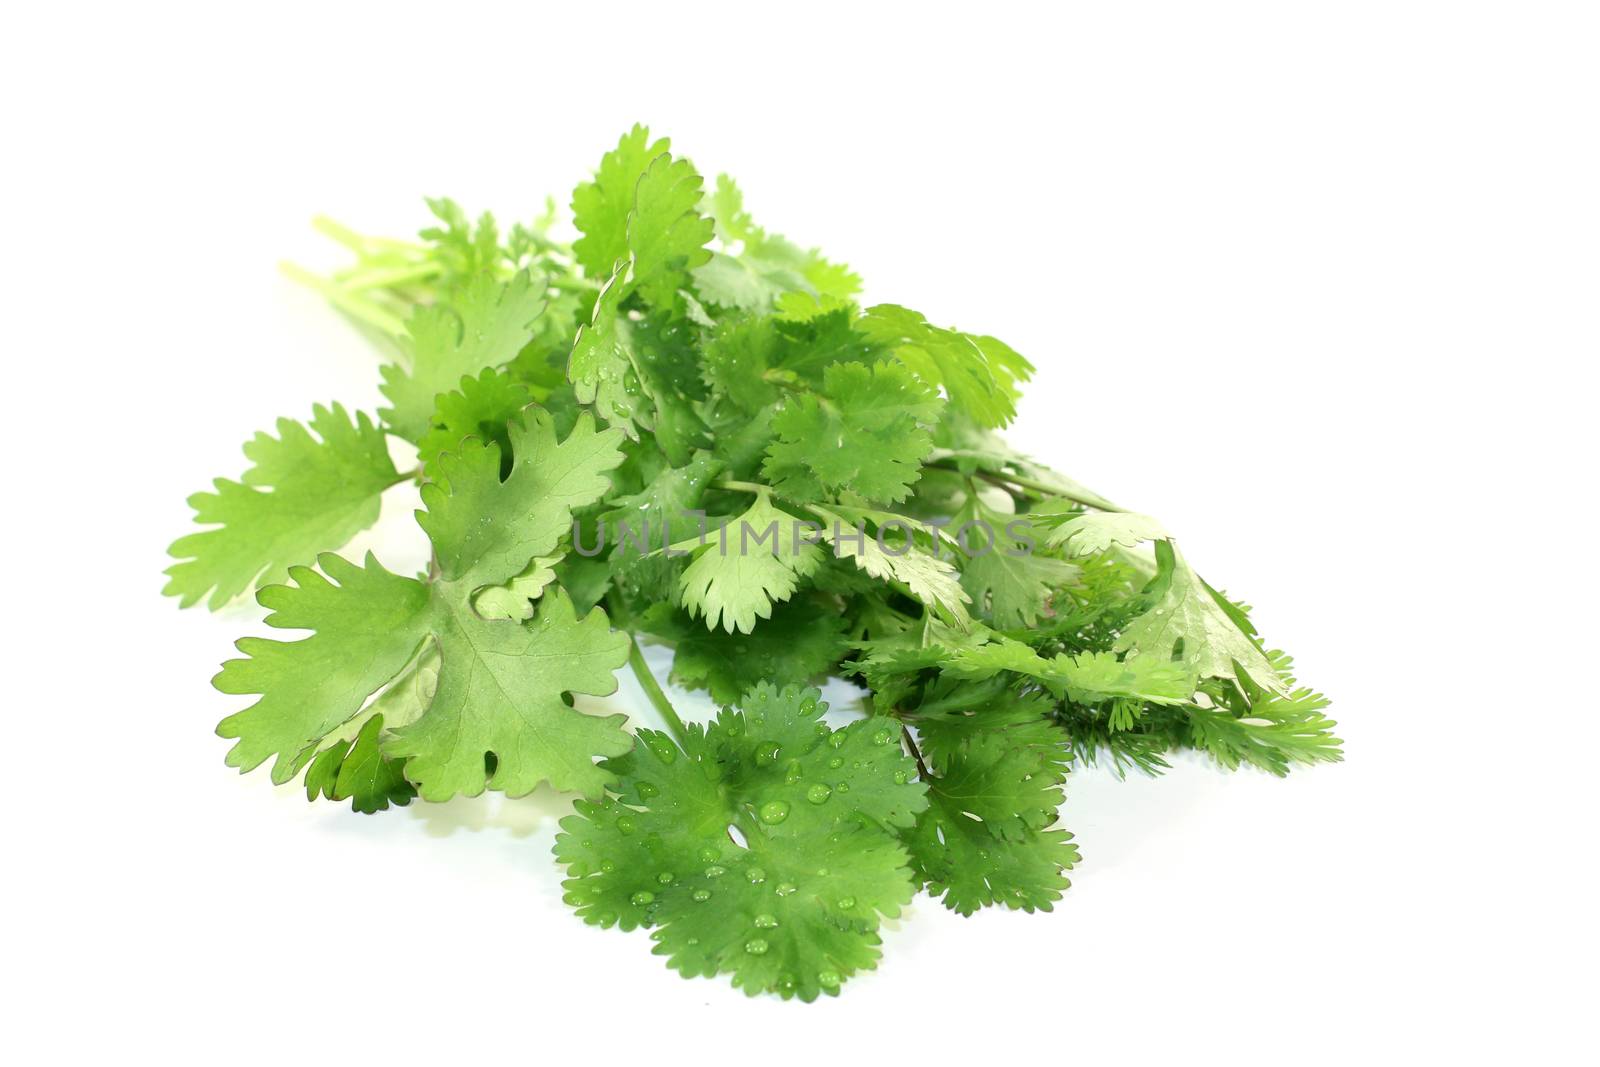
(1314, 283)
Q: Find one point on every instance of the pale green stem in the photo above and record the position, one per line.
(357, 307)
(652, 690)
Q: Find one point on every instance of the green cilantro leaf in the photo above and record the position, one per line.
(359, 772)
(485, 325)
(802, 641)
(984, 838)
(790, 905)
(1190, 622)
(979, 374)
(741, 569)
(890, 555)
(665, 233)
(600, 208)
(479, 407)
(866, 434)
(309, 490)
(1096, 531)
(485, 530)
(1010, 581)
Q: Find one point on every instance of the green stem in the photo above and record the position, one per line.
(389, 276)
(652, 690)
(743, 487)
(572, 285)
(358, 308)
(357, 242)
(1003, 480)
(916, 753)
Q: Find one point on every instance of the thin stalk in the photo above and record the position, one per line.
(743, 487)
(357, 242)
(389, 276)
(1005, 479)
(358, 308)
(916, 753)
(652, 690)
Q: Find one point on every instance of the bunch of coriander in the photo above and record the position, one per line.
(684, 429)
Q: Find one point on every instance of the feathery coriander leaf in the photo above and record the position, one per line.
(764, 268)
(359, 772)
(600, 208)
(740, 570)
(953, 712)
(501, 692)
(666, 235)
(792, 906)
(367, 625)
(984, 839)
(802, 641)
(485, 324)
(486, 531)
(890, 555)
(1097, 531)
(1188, 622)
(307, 491)
(1010, 581)
(479, 407)
(866, 434)
(602, 366)
(979, 374)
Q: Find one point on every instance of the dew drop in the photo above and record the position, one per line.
(774, 812)
(625, 825)
(664, 878)
(836, 762)
(756, 875)
(756, 946)
(837, 740)
(842, 787)
(665, 752)
(785, 889)
(608, 867)
(846, 903)
(830, 979)
(808, 706)
(641, 898)
(648, 790)
(882, 737)
(715, 871)
(766, 922)
(900, 777)
(819, 793)
(700, 896)
(708, 855)
(791, 773)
